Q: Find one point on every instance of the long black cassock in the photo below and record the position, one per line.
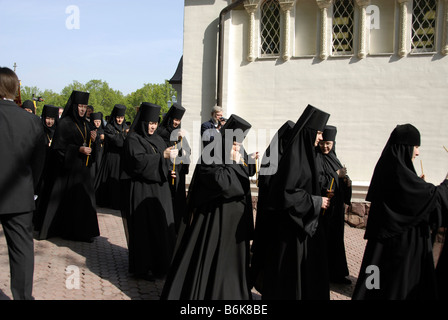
(182, 163)
(294, 206)
(147, 210)
(107, 181)
(268, 168)
(333, 217)
(212, 254)
(403, 210)
(50, 112)
(99, 142)
(66, 207)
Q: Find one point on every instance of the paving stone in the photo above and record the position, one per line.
(103, 266)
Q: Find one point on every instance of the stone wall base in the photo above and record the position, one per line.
(356, 215)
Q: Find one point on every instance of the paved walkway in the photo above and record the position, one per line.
(103, 267)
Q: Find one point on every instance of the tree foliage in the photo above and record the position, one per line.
(103, 98)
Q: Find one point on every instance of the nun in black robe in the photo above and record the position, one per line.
(293, 208)
(49, 126)
(403, 210)
(107, 181)
(50, 112)
(148, 210)
(172, 135)
(333, 175)
(96, 119)
(268, 168)
(67, 206)
(212, 255)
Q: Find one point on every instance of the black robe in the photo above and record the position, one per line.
(107, 180)
(294, 207)
(99, 149)
(182, 168)
(403, 209)
(333, 219)
(66, 207)
(268, 167)
(147, 208)
(49, 135)
(212, 255)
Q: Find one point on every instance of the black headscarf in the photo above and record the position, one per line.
(28, 104)
(50, 111)
(329, 163)
(175, 112)
(235, 129)
(97, 116)
(297, 174)
(71, 108)
(166, 127)
(278, 144)
(119, 110)
(400, 199)
(148, 112)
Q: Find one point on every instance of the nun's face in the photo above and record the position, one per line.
(82, 109)
(416, 152)
(49, 122)
(176, 123)
(326, 146)
(152, 127)
(119, 119)
(318, 138)
(97, 123)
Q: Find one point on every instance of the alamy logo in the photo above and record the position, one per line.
(373, 12)
(373, 280)
(73, 21)
(73, 278)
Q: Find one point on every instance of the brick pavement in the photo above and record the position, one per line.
(103, 267)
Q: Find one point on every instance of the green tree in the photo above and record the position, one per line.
(103, 98)
(158, 94)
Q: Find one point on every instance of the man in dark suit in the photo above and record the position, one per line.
(22, 142)
(211, 127)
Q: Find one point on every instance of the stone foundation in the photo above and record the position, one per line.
(356, 214)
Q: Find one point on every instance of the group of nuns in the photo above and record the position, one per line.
(205, 243)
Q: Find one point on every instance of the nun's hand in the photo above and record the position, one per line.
(325, 203)
(342, 172)
(93, 135)
(235, 156)
(85, 150)
(254, 155)
(170, 153)
(167, 153)
(174, 153)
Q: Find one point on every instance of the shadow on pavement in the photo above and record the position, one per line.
(109, 262)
